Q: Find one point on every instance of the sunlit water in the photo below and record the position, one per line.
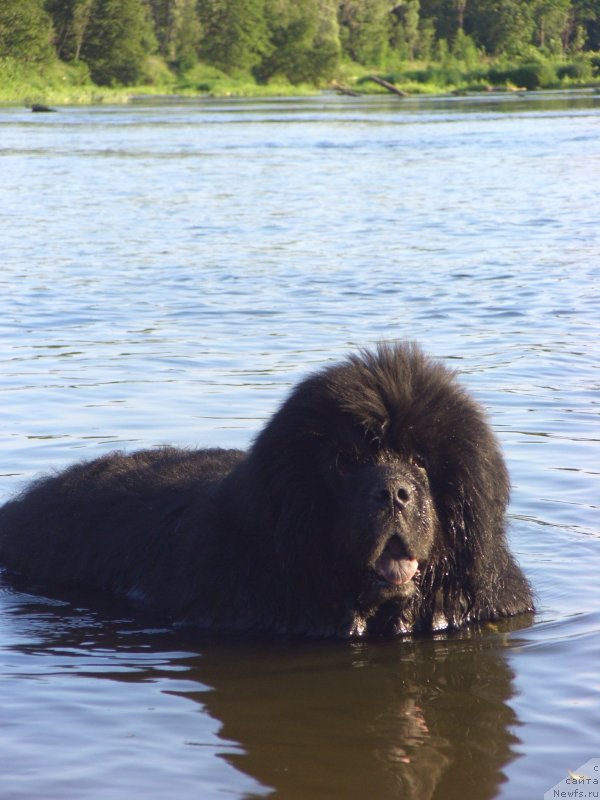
(168, 272)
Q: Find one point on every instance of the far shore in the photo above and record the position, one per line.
(62, 84)
(121, 96)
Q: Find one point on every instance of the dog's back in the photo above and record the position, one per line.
(114, 523)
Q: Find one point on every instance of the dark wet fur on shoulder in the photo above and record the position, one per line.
(373, 502)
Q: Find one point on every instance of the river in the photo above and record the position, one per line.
(169, 271)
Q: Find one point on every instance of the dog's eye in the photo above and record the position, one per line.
(344, 464)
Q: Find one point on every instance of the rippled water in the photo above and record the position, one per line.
(168, 271)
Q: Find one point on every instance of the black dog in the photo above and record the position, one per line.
(371, 503)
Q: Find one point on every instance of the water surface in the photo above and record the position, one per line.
(168, 272)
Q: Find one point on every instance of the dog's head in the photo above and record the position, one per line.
(384, 479)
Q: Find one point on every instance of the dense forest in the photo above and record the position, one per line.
(128, 42)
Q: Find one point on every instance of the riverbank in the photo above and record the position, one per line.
(62, 84)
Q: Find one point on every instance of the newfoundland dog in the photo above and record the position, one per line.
(372, 503)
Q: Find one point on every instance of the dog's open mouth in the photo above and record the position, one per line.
(393, 566)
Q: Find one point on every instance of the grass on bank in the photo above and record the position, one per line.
(454, 76)
(66, 84)
(63, 84)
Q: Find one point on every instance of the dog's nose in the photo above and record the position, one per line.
(395, 492)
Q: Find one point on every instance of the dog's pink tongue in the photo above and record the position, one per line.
(395, 570)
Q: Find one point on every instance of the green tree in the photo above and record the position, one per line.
(426, 40)
(446, 16)
(405, 31)
(71, 19)
(304, 41)
(584, 25)
(117, 41)
(551, 19)
(235, 34)
(164, 14)
(25, 31)
(460, 6)
(188, 35)
(178, 31)
(501, 26)
(365, 28)
(464, 50)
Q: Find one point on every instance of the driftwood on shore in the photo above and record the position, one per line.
(386, 85)
(341, 89)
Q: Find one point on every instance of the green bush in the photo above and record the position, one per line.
(535, 76)
(526, 76)
(439, 76)
(578, 71)
(156, 73)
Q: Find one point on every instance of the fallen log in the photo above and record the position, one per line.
(340, 89)
(386, 85)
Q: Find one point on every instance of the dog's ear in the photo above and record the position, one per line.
(476, 577)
